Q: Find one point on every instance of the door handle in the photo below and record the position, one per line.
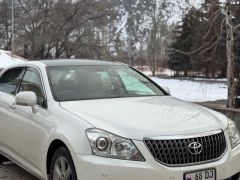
(12, 107)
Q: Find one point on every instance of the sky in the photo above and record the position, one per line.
(176, 16)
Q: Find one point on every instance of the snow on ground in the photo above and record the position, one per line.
(194, 91)
(211, 79)
(163, 71)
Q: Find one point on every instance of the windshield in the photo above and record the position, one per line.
(70, 83)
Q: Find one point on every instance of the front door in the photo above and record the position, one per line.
(34, 126)
(9, 126)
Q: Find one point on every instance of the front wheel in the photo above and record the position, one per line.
(62, 166)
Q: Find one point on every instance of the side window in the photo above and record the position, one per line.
(32, 82)
(10, 80)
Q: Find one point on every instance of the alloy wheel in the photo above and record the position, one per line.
(62, 169)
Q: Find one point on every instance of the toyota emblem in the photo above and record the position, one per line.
(195, 148)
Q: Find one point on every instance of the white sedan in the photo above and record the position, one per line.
(96, 120)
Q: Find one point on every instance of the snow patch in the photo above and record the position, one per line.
(194, 91)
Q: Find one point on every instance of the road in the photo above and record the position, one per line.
(9, 171)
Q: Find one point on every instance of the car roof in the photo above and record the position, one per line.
(77, 62)
(63, 62)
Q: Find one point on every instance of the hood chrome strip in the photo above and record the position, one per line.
(183, 136)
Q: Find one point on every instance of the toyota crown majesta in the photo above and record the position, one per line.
(96, 120)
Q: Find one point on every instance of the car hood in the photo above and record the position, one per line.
(137, 118)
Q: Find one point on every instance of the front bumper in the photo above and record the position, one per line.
(91, 167)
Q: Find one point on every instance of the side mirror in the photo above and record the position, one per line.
(166, 89)
(27, 98)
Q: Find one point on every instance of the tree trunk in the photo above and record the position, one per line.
(230, 58)
(176, 73)
(155, 38)
(153, 71)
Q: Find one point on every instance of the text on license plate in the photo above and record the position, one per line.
(209, 174)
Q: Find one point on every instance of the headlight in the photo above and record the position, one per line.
(109, 145)
(233, 133)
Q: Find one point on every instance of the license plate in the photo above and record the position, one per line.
(209, 174)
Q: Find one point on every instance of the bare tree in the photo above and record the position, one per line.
(63, 28)
(5, 26)
(214, 35)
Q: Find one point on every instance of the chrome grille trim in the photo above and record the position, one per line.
(184, 136)
(173, 150)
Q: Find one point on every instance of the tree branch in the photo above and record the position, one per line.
(215, 16)
(236, 27)
(197, 50)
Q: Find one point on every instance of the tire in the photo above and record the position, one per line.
(62, 166)
(3, 159)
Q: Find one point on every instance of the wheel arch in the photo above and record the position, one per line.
(54, 145)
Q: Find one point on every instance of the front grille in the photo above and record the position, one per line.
(176, 152)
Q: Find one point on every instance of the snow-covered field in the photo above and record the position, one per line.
(194, 91)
